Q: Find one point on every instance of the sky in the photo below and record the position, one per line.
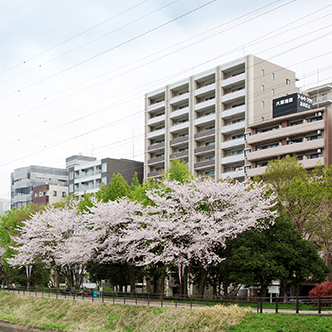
(73, 73)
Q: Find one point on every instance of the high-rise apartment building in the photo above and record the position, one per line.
(203, 118)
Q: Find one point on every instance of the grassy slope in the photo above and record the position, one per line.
(87, 316)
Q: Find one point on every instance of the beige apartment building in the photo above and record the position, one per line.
(305, 134)
(203, 119)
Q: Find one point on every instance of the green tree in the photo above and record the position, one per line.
(177, 171)
(256, 258)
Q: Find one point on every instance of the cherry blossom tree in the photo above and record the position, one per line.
(44, 238)
(189, 222)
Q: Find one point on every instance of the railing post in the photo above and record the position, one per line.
(176, 300)
(102, 296)
(136, 298)
(277, 304)
(162, 300)
(49, 294)
(257, 304)
(261, 305)
(297, 304)
(241, 301)
(207, 300)
(124, 298)
(57, 291)
(319, 305)
(113, 297)
(191, 301)
(42, 291)
(148, 299)
(74, 294)
(223, 300)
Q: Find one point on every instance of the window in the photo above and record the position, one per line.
(54, 193)
(209, 143)
(71, 187)
(316, 137)
(272, 92)
(104, 167)
(104, 179)
(287, 81)
(209, 158)
(262, 72)
(211, 173)
(71, 175)
(234, 153)
(63, 194)
(317, 118)
(36, 194)
(314, 99)
(262, 87)
(296, 123)
(262, 103)
(272, 76)
(324, 96)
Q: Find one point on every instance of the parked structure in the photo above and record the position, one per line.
(86, 174)
(203, 119)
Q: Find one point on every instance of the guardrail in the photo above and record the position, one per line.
(259, 304)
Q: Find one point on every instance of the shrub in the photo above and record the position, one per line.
(323, 289)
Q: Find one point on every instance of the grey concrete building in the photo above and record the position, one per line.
(203, 118)
(24, 179)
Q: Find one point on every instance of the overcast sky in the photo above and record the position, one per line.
(73, 73)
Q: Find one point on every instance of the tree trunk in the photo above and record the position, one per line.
(263, 291)
(185, 283)
(204, 274)
(297, 290)
(56, 277)
(132, 278)
(283, 285)
(162, 281)
(225, 286)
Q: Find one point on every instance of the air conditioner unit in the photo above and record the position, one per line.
(319, 132)
(280, 143)
(316, 114)
(287, 138)
(319, 114)
(319, 150)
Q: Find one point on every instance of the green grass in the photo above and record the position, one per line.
(83, 316)
(283, 323)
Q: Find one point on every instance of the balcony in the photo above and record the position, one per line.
(181, 154)
(204, 149)
(87, 187)
(233, 127)
(205, 134)
(157, 160)
(232, 159)
(179, 141)
(232, 112)
(307, 163)
(155, 174)
(204, 164)
(156, 106)
(233, 96)
(286, 149)
(205, 90)
(179, 113)
(232, 143)
(287, 131)
(205, 120)
(179, 99)
(156, 147)
(87, 175)
(156, 133)
(156, 120)
(237, 79)
(179, 127)
(234, 175)
(205, 105)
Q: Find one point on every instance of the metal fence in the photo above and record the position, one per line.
(260, 304)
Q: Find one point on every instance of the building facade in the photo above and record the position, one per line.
(203, 119)
(305, 134)
(86, 174)
(49, 194)
(24, 179)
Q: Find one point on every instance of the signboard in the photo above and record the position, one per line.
(294, 103)
(273, 289)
